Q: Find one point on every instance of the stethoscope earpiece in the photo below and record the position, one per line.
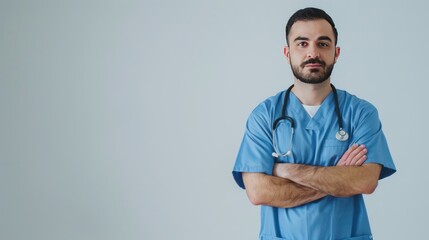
(288, 153)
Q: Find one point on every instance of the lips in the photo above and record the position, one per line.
(313, 63)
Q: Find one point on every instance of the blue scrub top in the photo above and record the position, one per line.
(314, 143)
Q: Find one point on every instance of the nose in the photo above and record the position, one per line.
(312, 52)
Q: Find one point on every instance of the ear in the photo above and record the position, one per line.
(286, 53)
(337, 53)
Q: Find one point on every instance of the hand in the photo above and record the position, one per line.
(354, 156)
(277, 170)
(285, 170)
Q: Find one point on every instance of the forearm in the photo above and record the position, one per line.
(338, 181)
(274, 191)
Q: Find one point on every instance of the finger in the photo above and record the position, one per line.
(342, 163)
(347, 154)
(359, 158)
(344, 158)
(356, 154)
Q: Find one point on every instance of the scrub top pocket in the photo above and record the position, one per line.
(332, 151)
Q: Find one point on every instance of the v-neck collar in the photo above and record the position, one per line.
(297, 111)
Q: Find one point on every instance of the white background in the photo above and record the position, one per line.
(122, 119)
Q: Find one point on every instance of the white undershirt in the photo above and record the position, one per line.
(311, 110)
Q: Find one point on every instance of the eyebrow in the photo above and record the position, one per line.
(325, 38)
(301, 39)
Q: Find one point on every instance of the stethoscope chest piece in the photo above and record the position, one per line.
(342, 135)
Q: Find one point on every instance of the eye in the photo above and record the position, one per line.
(302, 44)
(323, 44)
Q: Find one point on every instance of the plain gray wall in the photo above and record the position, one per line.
(121, 119)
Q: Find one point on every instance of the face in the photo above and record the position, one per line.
(312, 52)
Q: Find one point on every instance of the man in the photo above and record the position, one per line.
(309, 153)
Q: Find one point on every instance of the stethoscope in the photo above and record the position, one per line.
(341, 135)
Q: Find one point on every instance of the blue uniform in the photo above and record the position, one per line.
(314, 143)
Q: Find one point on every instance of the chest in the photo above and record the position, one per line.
(313, 141)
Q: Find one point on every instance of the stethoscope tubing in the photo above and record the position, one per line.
(341, 134)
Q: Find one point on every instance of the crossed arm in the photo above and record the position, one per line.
(295, 184)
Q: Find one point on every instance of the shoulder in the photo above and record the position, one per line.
(355, 103)
(268, 106)
(359, 111)
(264, 114)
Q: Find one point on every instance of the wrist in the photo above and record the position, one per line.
(280, 170)
(299, 173)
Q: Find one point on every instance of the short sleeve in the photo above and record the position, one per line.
(256, 148)
(369, 132)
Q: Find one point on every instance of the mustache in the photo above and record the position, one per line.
(313, 61)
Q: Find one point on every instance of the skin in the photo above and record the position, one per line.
(296, 184)
(279, 191)
(311, 40)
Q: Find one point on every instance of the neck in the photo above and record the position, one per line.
(311, 94)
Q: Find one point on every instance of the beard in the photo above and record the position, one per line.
(315, 76)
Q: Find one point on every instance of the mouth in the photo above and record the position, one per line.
(313, 65)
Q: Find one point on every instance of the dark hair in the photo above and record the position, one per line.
(307, 14)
